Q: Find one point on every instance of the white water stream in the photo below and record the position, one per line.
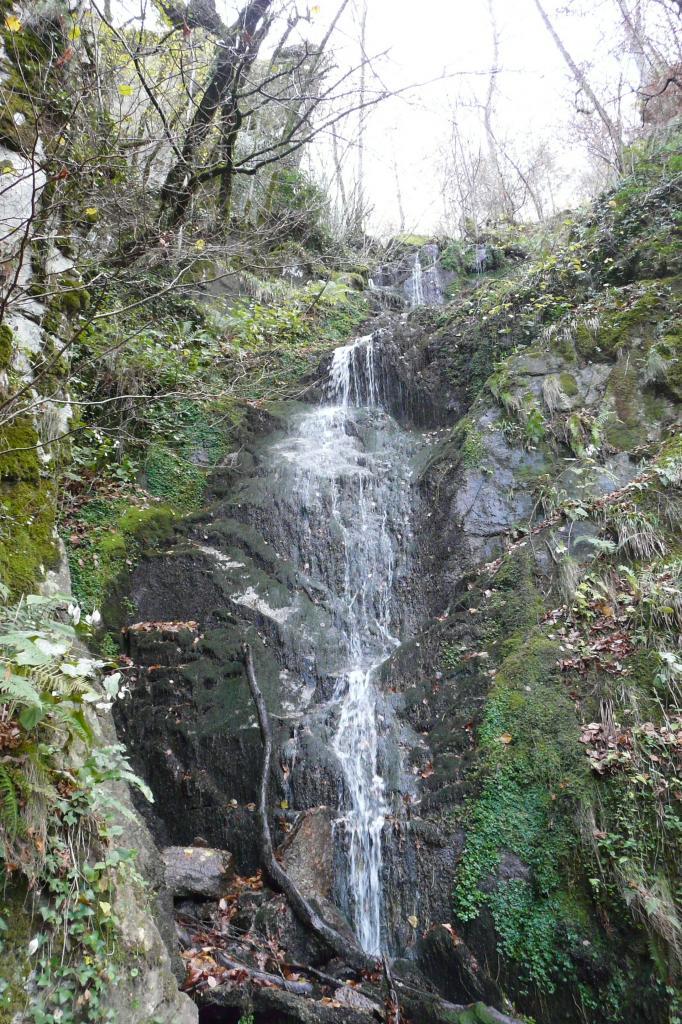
(416, 287)
(348, 466)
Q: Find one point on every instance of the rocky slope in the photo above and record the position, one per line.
(533, 855)
(529, 728)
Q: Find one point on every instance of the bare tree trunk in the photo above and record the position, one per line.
(399, 195)
(339, 176)
(582, 81)
(236, 53)
(507, 204)
(648, 61)
(360, 192)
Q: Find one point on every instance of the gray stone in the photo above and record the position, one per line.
(197, 871)
(349, 996)
(308, 853)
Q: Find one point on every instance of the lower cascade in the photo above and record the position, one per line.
(346, 469)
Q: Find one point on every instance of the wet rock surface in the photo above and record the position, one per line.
(238, 573)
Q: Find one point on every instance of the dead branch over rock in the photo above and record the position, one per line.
(303, 910)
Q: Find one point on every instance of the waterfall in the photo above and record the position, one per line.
(424, 286)
(416, 287)
(346, 466)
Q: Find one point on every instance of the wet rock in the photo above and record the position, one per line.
(458, 975)
(275, 1005)
(308, 853)
(197, 871)
(349, 996)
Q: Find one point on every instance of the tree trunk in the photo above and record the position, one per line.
(582, 81)
(237, 52)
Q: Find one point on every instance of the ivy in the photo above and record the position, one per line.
(66, 840)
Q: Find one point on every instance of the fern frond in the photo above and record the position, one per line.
(18, 689)
(73, 719)
(9, 803)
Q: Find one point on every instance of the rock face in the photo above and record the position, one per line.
(147, 987)
(307, 853)
(197, 872)
(236, 573)
(147, 933)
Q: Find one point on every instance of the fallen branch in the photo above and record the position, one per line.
(309, 918)
(297, 988)
(392, 1004)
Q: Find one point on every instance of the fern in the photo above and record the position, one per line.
(9, 804)
(18, 689)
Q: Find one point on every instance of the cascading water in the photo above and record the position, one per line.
(424, 286)
(347, 470)
(417, 283)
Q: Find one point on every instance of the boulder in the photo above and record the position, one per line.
(197, 872)
(307, 853)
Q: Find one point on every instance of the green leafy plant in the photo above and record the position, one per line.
(58, 813)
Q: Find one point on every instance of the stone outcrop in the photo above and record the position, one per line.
(197, 872)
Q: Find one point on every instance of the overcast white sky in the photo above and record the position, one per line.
(426, 39)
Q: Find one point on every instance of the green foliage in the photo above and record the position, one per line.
(64, 841)
(116, 535)
(251, 325)
(533, 778)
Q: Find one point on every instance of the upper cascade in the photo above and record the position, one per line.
(415, 279)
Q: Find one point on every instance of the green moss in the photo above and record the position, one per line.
(118, 535)
(16, 113)
(6, 346)
(73, 298)
(619, 317)
(148, 526)
(568, 383)
(18, 453)
(27, 547)
(26, 55)
(626, 426)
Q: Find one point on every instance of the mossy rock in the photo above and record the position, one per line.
(569, 385)
(118, 537)
(149, 526)
(26, 55)
(73, 297)
(27, 544)
(6, 346)
(14, 941)
(671, 346)
(18, 440)
(619, 318)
